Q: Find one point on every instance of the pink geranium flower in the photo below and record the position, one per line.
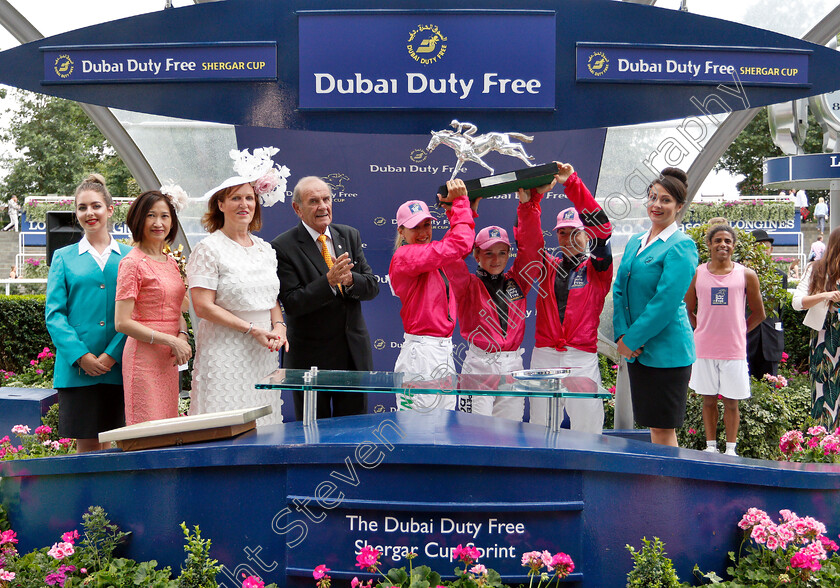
(70, 536)
(467, 554)
(61, 550)
(21, 430)
(478, 569)
(251, 582)
(320, 572)
(368, 558)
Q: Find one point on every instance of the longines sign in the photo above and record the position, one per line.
(164, 62)
(427, 60)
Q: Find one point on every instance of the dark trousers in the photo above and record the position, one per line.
(759, 366)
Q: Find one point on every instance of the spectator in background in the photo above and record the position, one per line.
(766, 343)
(13, 272)
(716, 303)
(820, 214)
(817, 249)
(801, 202)
(14, 210)
(819, 286)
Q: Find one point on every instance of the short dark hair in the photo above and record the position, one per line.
(717, 229)
(136, 217)
(214, 219)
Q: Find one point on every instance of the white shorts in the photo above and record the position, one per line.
(585, 414)
(727, 377)
(425, 358)
(483, 362)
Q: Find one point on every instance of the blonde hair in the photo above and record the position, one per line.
(95, 183)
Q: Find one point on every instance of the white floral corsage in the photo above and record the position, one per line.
(177, 196)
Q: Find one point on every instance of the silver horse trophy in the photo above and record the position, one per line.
(469, 147)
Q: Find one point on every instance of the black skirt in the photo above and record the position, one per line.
(86, 411)
(658, 394)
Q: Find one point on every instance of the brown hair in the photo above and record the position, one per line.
(214, 219)
(136, 217)
(825, 271)
(94, 183)
(674, 180)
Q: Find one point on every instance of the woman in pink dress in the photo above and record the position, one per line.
(150, 298)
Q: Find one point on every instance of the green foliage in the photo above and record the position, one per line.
(749, 210)
(127, 573)
(797, 335)
(36, 210)
(56, 146)
(765, 417)
(199, 570)
(652, 568)
(746, 153)
(23, 331)
(101, 538)
(747, 253)
(416, 577)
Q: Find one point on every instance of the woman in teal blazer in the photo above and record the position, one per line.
(80, 318)
(649, 317)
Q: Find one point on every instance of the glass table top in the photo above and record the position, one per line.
(524, 383)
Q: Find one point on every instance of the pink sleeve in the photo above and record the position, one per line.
(456, 244)
(128, 280)
(594, 218)
(527, 266)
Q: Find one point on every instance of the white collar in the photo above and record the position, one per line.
(664, 235)
(85, 246)
(315, 234)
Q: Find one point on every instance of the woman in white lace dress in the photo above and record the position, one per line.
(232, 276)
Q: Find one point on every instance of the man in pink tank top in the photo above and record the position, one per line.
(715, 302)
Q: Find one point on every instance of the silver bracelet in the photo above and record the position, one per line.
(250, 327)
(279, 323)
(184, 333)
(152, 340)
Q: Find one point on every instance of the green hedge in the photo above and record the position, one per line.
(23, 332)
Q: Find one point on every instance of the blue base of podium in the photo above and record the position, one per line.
(24, 406)
(283, 499)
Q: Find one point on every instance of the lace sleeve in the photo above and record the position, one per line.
(128, 279)
(203, 268)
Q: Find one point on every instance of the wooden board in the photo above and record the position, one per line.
(170, 439)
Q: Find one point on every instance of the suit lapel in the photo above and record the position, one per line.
(339, 243)
(311, 250)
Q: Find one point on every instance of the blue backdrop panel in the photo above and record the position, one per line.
(276, 103)
(281, 500)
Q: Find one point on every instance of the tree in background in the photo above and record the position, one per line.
(746, 153)
(57, 146)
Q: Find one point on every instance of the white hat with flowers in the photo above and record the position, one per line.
(258, 169)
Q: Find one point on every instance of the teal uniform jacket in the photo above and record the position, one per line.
(648, 300)
(80, 315)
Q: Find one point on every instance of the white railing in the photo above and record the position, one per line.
(705, 198)
(8, 282)
(22, 256)
(800, 252)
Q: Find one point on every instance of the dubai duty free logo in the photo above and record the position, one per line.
(426, 44)
(598, 64)
(63, 66)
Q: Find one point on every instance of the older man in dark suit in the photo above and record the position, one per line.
(323, 279)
